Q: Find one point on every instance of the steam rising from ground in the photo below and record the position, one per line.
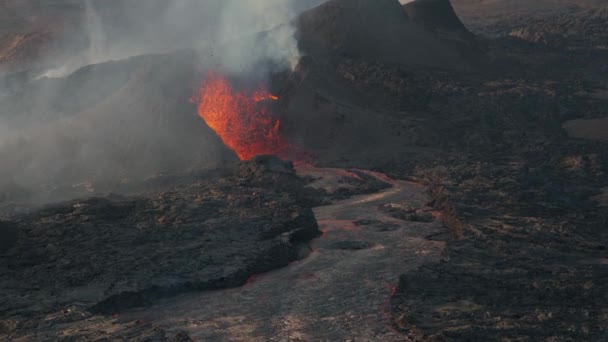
(117, 31)
(97, 49)
(79, 123)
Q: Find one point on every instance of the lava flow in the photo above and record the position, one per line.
(241, 119)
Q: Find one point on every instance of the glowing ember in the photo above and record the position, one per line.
(241, 119)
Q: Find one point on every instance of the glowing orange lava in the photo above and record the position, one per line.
(241, 119)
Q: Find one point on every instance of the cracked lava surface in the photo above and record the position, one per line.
(341, 290)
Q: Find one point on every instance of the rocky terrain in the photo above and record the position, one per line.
(482, 215)
(110, 254)
(568, 25)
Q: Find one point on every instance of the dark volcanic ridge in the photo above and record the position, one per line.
(377, 29)
(437, 15)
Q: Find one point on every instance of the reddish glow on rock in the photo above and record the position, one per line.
(337, 225)
(241, 119)
(250, 280)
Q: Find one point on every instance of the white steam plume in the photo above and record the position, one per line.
(241, 21)
(126, 119)
(96, 51)
(143, 27)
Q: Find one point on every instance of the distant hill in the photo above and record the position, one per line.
(378, 29)
(437, 15)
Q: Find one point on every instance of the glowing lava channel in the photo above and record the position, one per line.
(240, 119)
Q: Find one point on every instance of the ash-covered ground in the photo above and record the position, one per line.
(458, 190)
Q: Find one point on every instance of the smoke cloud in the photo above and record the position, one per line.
(114, 104)
(118, 30)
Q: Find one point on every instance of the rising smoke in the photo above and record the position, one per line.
(118, 30)
(97, 50)
(116, 107)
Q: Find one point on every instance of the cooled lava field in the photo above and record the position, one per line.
(281, 170)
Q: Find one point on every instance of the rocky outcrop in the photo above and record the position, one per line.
(113, 253)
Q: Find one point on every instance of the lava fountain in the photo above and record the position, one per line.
(240, 118)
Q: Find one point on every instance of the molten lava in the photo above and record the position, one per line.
(241, 119)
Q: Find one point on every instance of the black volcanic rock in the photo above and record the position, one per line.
(263, 165)
(437, 15)
(8, 236)
(109, 254)
(375, 29)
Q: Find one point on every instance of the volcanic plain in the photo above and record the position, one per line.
(428, 171)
